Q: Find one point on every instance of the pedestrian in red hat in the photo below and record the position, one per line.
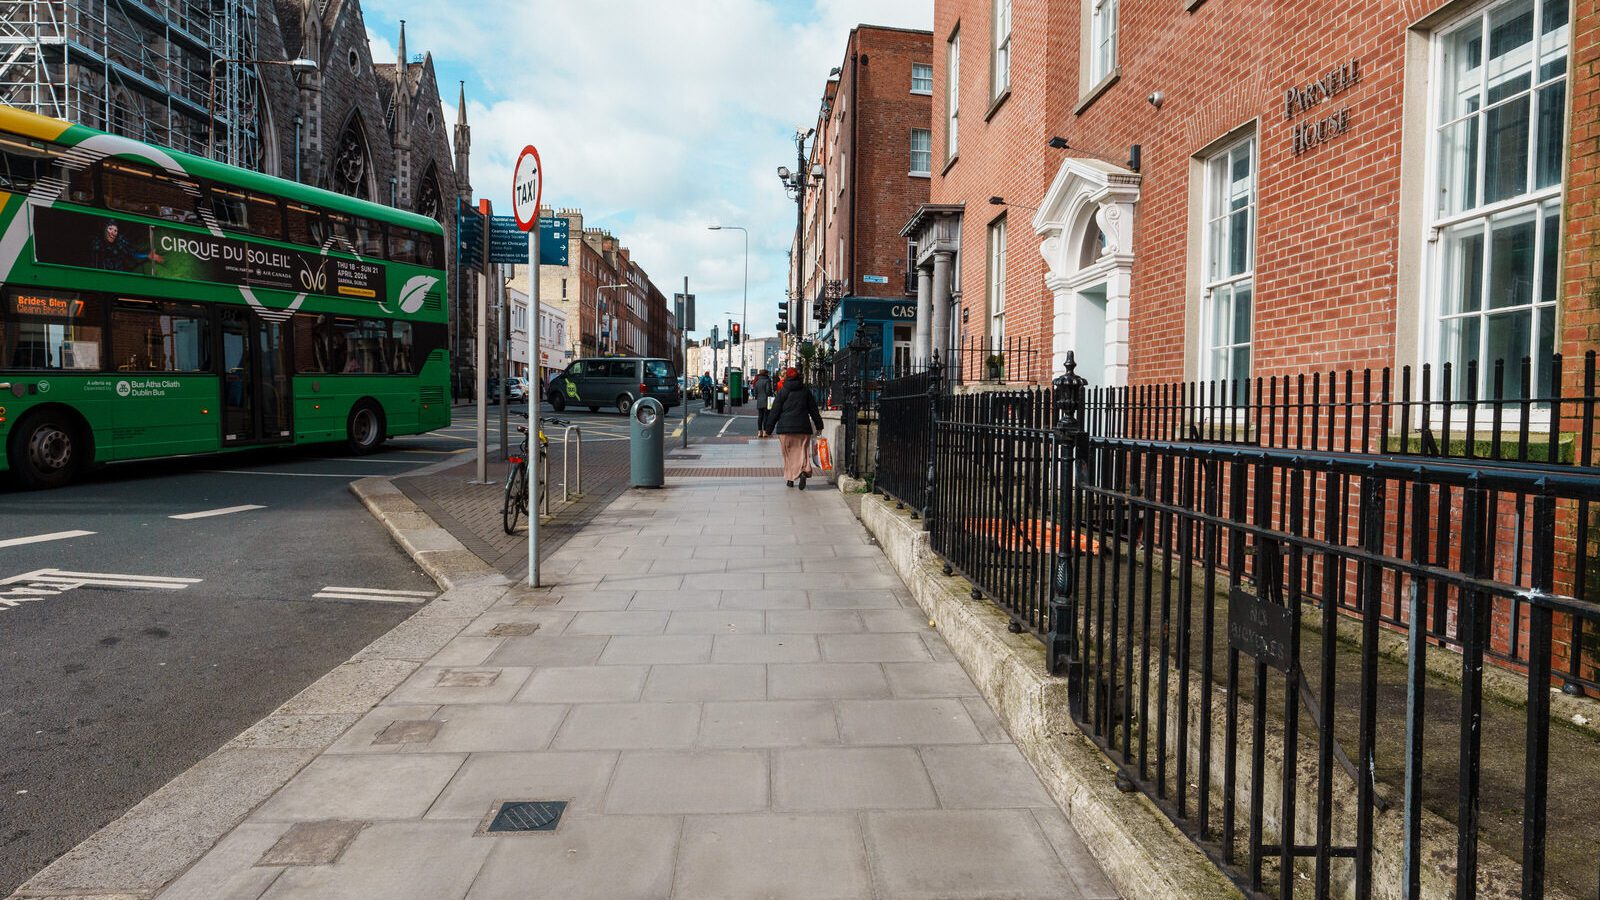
(795, 420)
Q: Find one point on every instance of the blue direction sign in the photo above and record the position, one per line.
(508, 243)
(469, 237)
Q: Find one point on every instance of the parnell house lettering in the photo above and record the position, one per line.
(1298, 100)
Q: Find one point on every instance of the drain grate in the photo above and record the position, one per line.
(528, 815)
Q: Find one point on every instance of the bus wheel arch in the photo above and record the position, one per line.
(50, 446)
(366, 427)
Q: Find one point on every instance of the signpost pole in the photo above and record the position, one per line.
(535, 489)
(481, 376)
(527, 183)
(504, 369)
(683, 337)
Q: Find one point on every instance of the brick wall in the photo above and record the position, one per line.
(886, 194)
(864, 140)
(1328, 254)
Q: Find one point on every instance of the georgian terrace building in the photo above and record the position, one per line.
(1215, 189)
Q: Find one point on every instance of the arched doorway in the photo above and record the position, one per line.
(1086, 227)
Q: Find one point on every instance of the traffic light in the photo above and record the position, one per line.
(783, 317)
(734, 334)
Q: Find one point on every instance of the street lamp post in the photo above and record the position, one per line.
(300, 66)
(744, 320)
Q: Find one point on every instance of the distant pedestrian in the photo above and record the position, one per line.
(707, 390)
(762, 391)
(795, 419)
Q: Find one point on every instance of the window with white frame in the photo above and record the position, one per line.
(1498, 140)
(1001, 64)
(921, 151)
(953, 90)
(1102, 40)
(921, 78)
(997, 283)
(1229, 262)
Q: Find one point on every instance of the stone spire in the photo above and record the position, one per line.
(463, 144)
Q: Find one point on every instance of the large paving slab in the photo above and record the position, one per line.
(733, 696)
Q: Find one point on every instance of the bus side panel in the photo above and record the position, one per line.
(88, 396)
(320, 409)
(161, 414)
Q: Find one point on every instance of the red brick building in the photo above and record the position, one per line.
(869, 167)
(1266, 188)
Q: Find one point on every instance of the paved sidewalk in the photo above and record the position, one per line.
(733, 693)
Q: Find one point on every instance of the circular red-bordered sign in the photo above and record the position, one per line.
(527, 185)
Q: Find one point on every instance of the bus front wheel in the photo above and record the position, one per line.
(365, 428)
(47, 450)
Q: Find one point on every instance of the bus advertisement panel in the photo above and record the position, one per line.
(64, 237)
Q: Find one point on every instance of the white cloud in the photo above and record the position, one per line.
(657, 119)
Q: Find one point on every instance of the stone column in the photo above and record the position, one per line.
(941, 304)
(921, 341)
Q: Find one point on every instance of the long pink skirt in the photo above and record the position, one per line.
(795, 457)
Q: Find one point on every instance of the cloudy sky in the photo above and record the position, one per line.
(656, 118)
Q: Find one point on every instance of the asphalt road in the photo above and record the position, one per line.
(132, 650)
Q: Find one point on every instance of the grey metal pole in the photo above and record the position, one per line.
(683, 338)
(535, 489)
(481, 359)
(744, 326)
(504, 369)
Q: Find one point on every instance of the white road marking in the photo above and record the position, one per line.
(725, 426)
(387, 596)
(60, 576)
(41, 538)
(217, 512)
(352, 476)
(37, 585)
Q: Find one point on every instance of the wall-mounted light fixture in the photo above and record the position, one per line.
(1156, 98)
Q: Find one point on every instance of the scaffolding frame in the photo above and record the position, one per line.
(140, 69)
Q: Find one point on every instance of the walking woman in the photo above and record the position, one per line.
(795, 418)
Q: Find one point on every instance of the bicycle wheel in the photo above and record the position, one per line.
(516, 500)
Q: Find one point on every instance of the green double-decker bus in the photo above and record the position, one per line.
(154, 304)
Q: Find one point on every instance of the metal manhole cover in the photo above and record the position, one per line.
(528, 815)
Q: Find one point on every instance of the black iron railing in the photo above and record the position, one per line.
(905, 407)
(1244, 584)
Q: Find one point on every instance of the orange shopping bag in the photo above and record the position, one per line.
(821, 459)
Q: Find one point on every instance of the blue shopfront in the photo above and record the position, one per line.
(887, 324)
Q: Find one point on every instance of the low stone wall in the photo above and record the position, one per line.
(1144, 855)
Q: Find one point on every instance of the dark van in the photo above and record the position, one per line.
(613, 382)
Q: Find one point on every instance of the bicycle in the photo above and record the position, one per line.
(515, 504)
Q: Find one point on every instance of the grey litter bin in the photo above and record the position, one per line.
(647, 426)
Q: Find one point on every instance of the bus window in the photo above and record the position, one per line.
(248, 212)
(369, 238)
(305, 225)
(320, 343)
(367, 350)
(400, 353)
(145, 192)
(23, 163)
(342, 229)
(404, 245)
(52, 330)
(149, 336)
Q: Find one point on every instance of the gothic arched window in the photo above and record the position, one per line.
(430, 199)
(351, 171)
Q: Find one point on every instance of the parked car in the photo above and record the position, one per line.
(614, 382)
(517, 388)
